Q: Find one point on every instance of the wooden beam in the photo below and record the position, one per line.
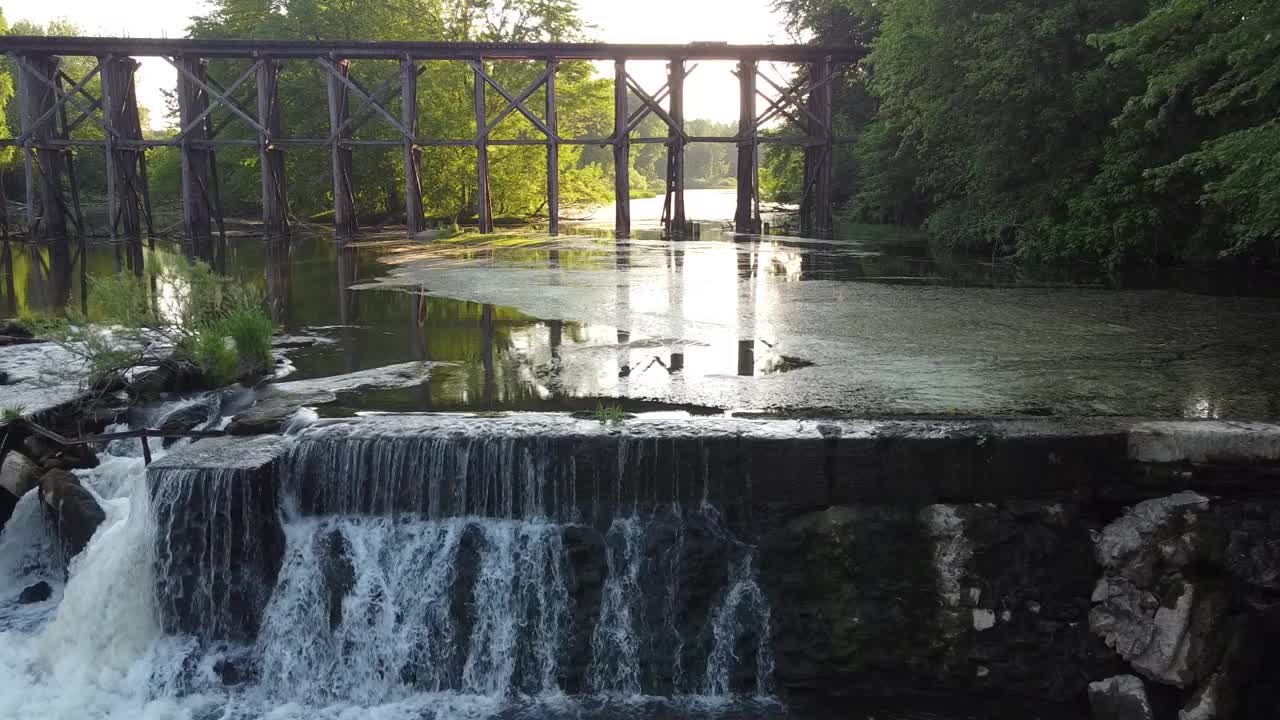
(364, 95)
(621, 153)
(193, 111)
(413, 218)
(119, 105)
(39, 98)
(656, 109)
(394, 50)
(484, 211)
(275, 196)
(201, 81)
(675, 150)
(815, 200)
(344, 203)
(553, 151)
(744, 220)
(77, 87)
(513, 101)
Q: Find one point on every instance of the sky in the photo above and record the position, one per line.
(710, 92)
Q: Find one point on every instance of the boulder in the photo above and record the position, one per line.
(1155, 536)
(35, 593)
(51, 454)
(1176, 640)
(18, 474)
(172, 375)
(77, 513)
(1122, 697)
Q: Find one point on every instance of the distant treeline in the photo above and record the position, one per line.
(445, 109)
(1097, 130)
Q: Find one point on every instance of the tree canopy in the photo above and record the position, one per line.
(1101, 130)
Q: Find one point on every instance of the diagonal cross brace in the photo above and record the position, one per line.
(223, 98)
(792, 96)
(655, 107)
(369, 100)
(360, 115)
(519, 99)
(78, 88)
(642, 112)
(518, 103)
(777, 106)
(62, 96)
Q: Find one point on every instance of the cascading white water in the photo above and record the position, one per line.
(615, 651)
(471, 597)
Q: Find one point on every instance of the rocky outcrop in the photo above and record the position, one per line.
(1122, 697)
(74, 510)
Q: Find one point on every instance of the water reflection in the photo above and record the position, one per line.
(716, 319)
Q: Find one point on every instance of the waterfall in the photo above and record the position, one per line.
(453, 574)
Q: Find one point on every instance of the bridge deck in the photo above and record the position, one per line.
(395, 50)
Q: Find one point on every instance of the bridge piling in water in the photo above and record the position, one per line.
(275, 196)
(197, 158)
(344, 201)
(47, 140)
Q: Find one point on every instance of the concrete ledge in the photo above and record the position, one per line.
(1201, 442)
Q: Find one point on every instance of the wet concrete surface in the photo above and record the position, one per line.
(874, 322)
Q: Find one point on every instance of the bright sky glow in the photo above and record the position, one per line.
(710, 92)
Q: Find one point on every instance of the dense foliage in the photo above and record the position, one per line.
(1107, 130)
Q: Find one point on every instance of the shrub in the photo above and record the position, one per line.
(250, 328)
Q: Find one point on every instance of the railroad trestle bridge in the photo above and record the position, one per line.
(52, 104)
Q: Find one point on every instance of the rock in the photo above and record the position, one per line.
(274, 409)
(1122, 697)
(183, 419)
(4, 378)
(1178, 642)
(35, 593)
(78, 515)
(1221, 695)
(172, 375)
(1155, 535)
(55, 455)
(18, 474)
(14, 329)
(7, 503)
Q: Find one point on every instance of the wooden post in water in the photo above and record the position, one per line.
(413, 218)
(197, 162)
(815, 204)
(275, 196)
(675, 148)
(553, 153)
(621, 153)
(344, 201)
(744, 220)
(484, 211)
(35, 75)
(119, 109)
